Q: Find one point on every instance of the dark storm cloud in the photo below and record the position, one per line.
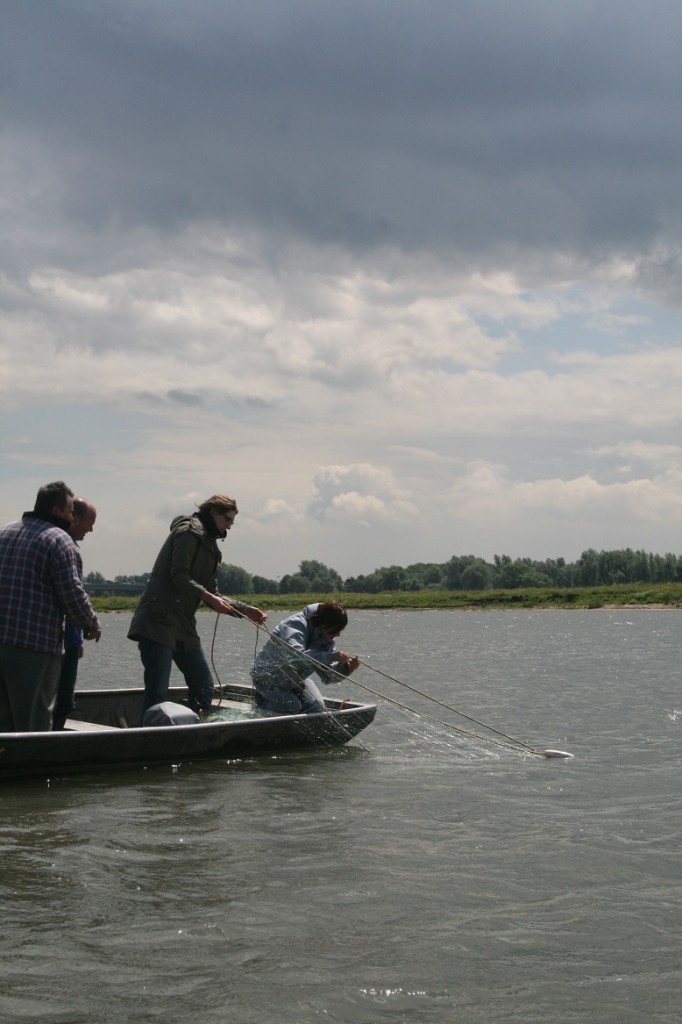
(185, 397)
(466, 127)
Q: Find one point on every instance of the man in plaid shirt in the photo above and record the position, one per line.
(39, 584)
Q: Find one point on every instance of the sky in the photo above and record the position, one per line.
(401, 276)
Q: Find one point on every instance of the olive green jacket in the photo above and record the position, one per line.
(186, 566)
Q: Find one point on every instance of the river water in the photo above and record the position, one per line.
(417, 875)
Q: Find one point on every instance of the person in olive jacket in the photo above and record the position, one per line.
(184, 575)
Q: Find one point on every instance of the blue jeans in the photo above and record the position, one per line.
(300, 699)
(66, 701)
(158, 659)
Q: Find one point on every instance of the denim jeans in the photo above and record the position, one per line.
(302, 699)
(66, 701)
(158, 659)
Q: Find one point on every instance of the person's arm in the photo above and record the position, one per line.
(332, 662)
(185, 547)
(336, 663)
(286, 650)
(346, 663)
(226, 606)
(70, 592)
(248, 611)
(184, 551)
(294, 632)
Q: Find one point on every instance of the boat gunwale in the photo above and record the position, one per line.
(336, 709)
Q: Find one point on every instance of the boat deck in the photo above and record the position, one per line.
(78, 725)
(73, 725)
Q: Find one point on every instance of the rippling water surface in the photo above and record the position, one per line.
(418, 875)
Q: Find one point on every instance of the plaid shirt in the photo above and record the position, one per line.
(40, 570)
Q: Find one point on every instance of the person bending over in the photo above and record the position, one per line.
(282, 671)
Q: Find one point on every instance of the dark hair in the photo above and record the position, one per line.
(51, 496)
(330, 615)
(219, 502)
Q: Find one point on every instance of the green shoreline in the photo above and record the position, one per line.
(630, 595)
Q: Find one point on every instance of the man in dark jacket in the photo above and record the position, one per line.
(184, 575)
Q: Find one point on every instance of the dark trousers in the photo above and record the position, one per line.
(28, 680)
(66, 701)
(158, 660)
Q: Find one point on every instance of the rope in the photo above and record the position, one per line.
(213, 639)
(456, 711)
(213, 666)
(508, 740)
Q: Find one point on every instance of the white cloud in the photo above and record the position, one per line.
(279, 515)
(488, 491)
(247, 243)
(360, 494)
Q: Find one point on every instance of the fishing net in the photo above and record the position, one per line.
(234, 714)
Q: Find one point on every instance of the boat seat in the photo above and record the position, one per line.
(74, 725)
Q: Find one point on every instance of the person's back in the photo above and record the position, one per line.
(295, 645)
(38, 564)
(301, 644)
(184, 569)
(39, 584)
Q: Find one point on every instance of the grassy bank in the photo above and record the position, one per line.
(641, 595)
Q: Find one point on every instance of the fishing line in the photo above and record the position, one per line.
(505, 740)
(258, 627)
(449, 707)
(213, 664)
(509, 739)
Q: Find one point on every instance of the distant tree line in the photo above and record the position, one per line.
(461, 572)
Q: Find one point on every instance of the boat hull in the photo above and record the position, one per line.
(110, 739)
